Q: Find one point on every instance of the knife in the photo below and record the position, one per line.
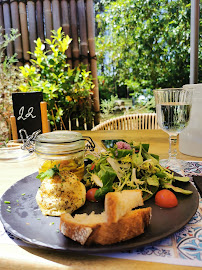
(198, 183)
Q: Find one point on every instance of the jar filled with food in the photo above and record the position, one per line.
(61, 149)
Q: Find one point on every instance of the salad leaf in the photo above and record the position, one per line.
(119, 153)
(145, 146)
(177, 189)
(96, 179)
(182, 178)
(118, 168)
(148, 193)
(148, 156)
(153, 181)
(107, 180)
(137, 158)
(155, 156)
(91, 157)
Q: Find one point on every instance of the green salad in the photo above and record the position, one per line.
(129, 166)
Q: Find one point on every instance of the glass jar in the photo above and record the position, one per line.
(61, 148)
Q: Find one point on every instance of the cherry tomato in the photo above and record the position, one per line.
(166, 198)
(90, 195)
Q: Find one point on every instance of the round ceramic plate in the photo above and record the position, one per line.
(24, 219)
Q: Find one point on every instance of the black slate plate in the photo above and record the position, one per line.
(26, 222)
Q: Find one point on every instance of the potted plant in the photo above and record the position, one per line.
(67, 91)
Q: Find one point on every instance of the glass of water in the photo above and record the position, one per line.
(173, 108)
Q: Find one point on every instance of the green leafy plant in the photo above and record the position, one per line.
(67, 91)
(107, 106)
(10, 78)
(145, 44)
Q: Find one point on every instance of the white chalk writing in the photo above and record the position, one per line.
(27, 115)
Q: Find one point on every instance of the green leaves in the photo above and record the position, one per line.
(137, 158)
(182, 178)
(49, 173)
(113, 171)
(67, 91)
(177, 189)
(146, 43)
(107, 178)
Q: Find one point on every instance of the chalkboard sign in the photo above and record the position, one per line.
(26, 108)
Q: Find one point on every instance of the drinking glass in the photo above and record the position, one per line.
(173, 108)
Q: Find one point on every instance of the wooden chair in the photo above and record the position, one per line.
(44, 121)
(130, 122)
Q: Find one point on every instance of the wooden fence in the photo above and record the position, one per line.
(36, 18)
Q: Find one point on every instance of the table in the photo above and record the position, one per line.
(25, 257)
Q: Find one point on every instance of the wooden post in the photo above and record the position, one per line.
(83, 31)
(48, 18)
(66, 28)
(1, 25)
(56, 14)
(75, 44)
(24, 30)
(7, 24)
(14, 128)
(16, 25)
(32, 24)
(39, 18)
(44, 117)
(91, 43)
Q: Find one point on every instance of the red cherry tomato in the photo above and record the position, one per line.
(90, 195)
(165, 198)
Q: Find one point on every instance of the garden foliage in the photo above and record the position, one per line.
(67, 91)
(10, 79)
(144, 44)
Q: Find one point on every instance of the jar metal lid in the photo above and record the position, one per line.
(59, 142)
(59, 137)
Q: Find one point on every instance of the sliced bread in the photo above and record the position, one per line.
(93, 229)
(117, 204)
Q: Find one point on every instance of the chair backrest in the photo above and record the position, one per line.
(130, 122)
(30, 113)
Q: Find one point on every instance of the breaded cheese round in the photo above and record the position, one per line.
(61, 194)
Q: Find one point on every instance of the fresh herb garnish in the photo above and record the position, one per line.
(7, 202)
(49, 173)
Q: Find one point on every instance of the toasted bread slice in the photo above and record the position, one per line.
(94, 229)
(81, 226)
(117, 204)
